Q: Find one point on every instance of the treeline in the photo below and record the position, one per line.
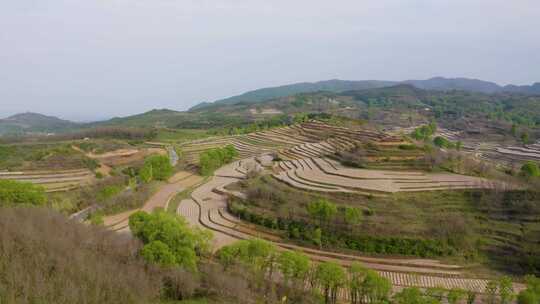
(304, 282)
(212, 159)
(110, 132)
(321, 232)
(100, 132)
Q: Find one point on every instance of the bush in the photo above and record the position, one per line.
(14, 192)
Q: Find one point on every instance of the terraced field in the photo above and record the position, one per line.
(325, 175)
(310, 139)
(52, 181)
(207, 208)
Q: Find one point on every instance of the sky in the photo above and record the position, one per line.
(95, 59)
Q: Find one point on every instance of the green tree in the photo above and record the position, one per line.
(322, 209)
(15, 192)
(212, 159)
(184, 243)
(331, 277)
(530, 169)
(159, 253)
(506, 290)
(376, 288)
(295, 267)
(514, 130)
(352, 215)
(491, 292)
(525, 137)
(411, 295)
(531, 295)
(357, 274)
(471, 297)
(455, 295)
(441, 142)
(317, 237)
(156, 167)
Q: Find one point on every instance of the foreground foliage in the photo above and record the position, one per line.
(168, 241)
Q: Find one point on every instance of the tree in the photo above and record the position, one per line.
(322, 209)
(525, 137)
(294, 266)
(331, 277)
(357, 274)
(15, 192)
(376, 288)
(182, 242)
(471, 297)
(530, 169)
(455, 295)
(491, 292)
(411, 295)
(212, 159)
(159, 253)
(317, 237)
(513, 131)
(156, 167)
(506, 290)
(531, 295)
(528, 297)
(352, 215)
(440, 141)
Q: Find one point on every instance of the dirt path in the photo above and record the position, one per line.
(160, 199)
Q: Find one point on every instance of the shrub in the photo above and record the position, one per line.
(14, 192)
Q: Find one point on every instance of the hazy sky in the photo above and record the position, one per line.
(90, 59)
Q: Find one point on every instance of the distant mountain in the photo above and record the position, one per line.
(334, 85)
(34, 122)
(462, 84)
(529, 90)
(337, 86)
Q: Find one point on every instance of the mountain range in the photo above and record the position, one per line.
(207, 114)
(336, 85)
